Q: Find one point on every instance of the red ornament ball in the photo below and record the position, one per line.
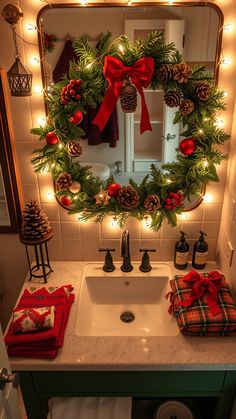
(65, 200)
(114, 189)
(187, 146)
(76, 118)
(51, 138)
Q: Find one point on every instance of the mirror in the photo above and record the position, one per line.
(10, 206)
(195, 32)
(168, 146)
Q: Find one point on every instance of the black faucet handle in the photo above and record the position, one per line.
(108, 265)
(145, 264)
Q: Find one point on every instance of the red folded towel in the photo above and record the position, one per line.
(44, 343)
(25, 320)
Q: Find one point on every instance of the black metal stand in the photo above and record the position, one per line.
(43, 267)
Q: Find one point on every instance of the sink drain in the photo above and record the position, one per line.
(127, 317)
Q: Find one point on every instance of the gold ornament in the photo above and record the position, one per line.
(75, 187)
(102, 197)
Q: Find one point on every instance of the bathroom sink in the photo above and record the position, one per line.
(125, 304)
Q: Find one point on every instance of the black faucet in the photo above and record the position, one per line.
(125, 253)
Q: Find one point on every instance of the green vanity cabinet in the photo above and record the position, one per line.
(38, 386)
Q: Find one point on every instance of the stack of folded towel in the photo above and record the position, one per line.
(39, 322)
(203, 305)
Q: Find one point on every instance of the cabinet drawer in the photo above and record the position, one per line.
(128, 383)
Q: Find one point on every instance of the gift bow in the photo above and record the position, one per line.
(210, 284)
(115, 72)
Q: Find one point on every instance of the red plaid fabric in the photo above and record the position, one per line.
(198, 320)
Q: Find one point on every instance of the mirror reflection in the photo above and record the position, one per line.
(125, 153)
(4, 214)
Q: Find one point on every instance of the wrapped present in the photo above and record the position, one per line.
(203, 305)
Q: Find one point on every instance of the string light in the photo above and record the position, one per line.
(31, 27)
(147, 220)
(205, 163)
(41, 122)
(200, 131)
(75, 197)
(225, 93)
(184, 216)
(60, 146)
(225, 61)
(170, 2)
(121, 48)
(53, 165)
(114, 221)
(34, 60)
(38, 89)
(168, 180)
(229, 27)
(128, 2)
(84, 3)
(219, 123)
(50, 195)
(207, 198)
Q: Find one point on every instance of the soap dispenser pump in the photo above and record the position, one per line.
(200, 252)
(181, 252)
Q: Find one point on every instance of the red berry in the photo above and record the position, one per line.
(51, 138)
(72, 82)
(65, 200)
(72, 92)
(78, 82)
(77, 97)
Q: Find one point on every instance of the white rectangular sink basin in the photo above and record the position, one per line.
(125, 304)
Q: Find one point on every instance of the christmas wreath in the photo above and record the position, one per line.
(117, 69)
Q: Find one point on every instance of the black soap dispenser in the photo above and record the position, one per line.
(181, 252)
(200, 252)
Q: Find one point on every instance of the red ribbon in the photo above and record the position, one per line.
(115, 71)
(210, 284)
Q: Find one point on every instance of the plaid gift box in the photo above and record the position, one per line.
(198, 319)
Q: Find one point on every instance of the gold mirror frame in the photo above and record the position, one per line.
(137, 5)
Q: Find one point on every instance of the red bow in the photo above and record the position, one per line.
(115, 71)
(210, 284)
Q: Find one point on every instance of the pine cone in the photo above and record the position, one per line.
(35, 223)
(128, 98)
(152, 202)
(202, 90)
(74, 148)
(128, 197)
(186, 107)
(64, 181)
(182, 72)
(172, 98)
(165, 73)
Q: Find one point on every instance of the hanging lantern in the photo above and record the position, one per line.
(19, 78)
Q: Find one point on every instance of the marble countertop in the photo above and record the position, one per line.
(156, 353)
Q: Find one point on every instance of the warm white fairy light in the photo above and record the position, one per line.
(89, 65)
(208, 198)
(75, 197)
(205, 163)
(41, 121)
(226, 61)
(50, 195)
(114, 221)
(121, 48)
(31, 27)
(219, 123)
(147, 220)
(34, 60)
(38, 89)
(170, 2)
(128, 2)
(184, 216)
(200, 131)
(84, 2)
(225, 93)
(53, 165)
(60, 146)
(229, 27)
(168, 180)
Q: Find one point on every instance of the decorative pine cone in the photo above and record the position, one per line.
(128, 197)
(35, 223)
(182, 72)
(74, 148)
(128, 98)
(172, 98)
(71, 91)
(186, 107)
(64, 181)
(165, 73)
(152, 202)
(202, 90)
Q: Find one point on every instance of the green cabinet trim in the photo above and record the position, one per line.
(37, 387)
